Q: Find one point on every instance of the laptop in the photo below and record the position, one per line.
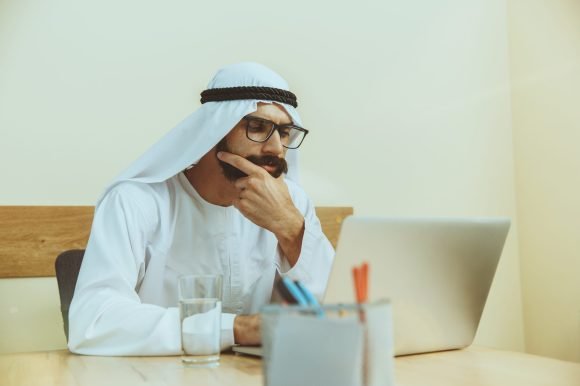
(437, 273)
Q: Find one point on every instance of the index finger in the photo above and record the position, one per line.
(240, 163)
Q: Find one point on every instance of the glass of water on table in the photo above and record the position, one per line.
(200, 307)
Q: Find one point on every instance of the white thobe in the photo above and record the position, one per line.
(146, 235)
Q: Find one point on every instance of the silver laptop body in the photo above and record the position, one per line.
(437, 272)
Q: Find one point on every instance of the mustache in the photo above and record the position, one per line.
(281, 166)
(270, 160)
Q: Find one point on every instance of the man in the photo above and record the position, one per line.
(216, 195)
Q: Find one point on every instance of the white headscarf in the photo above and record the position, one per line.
(191, 139)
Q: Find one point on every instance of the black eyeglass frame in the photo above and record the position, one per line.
(274, 127)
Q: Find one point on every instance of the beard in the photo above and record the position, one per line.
(233, 174)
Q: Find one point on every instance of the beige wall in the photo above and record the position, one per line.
(408, 105)
(545, 68)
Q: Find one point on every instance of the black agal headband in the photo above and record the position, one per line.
(248, 92)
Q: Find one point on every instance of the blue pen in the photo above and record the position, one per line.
(311, 299)
(295, 291)
(307, 294)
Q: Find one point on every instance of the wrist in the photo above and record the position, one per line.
(291, 228)
(290, 237)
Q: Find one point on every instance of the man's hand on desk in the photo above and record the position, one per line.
(247, 329)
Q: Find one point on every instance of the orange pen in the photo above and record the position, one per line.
(365, 281)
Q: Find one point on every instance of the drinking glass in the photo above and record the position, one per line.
(200, 305)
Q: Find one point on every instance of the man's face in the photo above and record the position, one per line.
(268, 155)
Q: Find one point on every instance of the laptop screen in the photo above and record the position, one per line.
(437, 273)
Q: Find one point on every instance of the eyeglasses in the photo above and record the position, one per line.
(260, 130)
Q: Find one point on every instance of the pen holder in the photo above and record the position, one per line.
(342, 344)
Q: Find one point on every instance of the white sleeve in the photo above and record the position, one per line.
(315, 260)
(106, 316)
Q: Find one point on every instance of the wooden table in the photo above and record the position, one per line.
(472, 366)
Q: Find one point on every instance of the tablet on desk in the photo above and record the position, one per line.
(437, 272)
